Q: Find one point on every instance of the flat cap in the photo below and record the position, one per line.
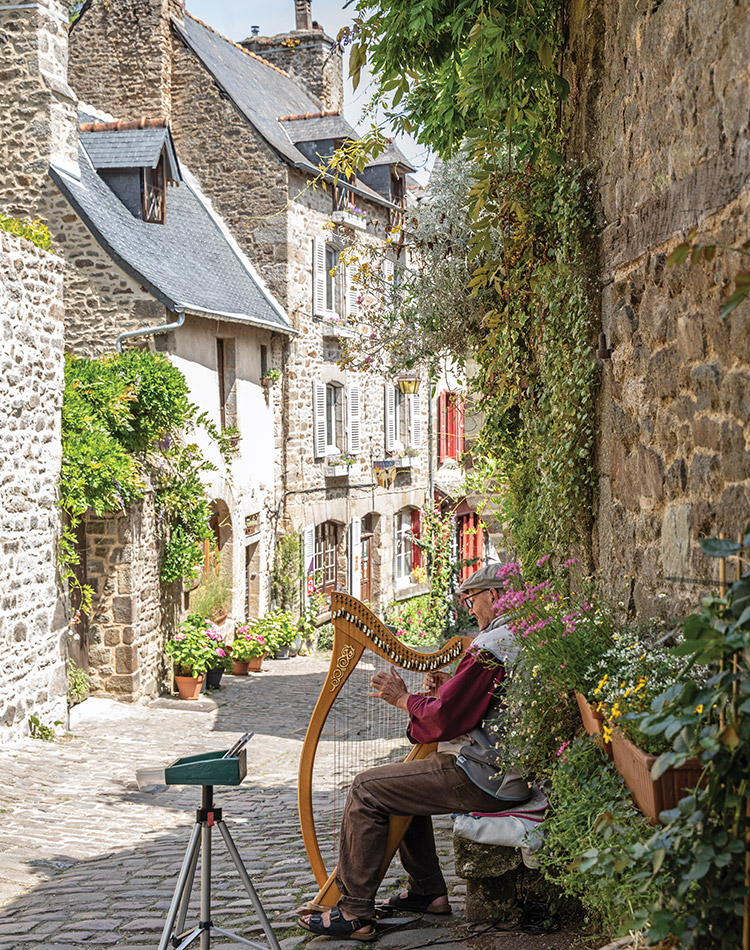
(484, 579)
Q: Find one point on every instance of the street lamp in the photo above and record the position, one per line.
(408, 383)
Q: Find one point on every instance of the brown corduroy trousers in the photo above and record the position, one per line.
(431, 786)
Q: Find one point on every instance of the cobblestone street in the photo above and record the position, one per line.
(88, 860)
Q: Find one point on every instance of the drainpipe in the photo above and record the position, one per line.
(146, 331)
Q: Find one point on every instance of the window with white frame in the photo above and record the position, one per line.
(402, 546)
(325, 558)
(335, 293)
(336, 419)
(403, 419)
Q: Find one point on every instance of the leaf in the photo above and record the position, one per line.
(546, 53)
(729, 736)
(737, 297)
(657, 859)
(678, 255)
(718, 547)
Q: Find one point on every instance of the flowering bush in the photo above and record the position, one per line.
(277, 628)
(196, 646)
(631, 675)
(410, 618)
(248, 644)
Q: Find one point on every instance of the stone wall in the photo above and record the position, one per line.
(132, 85)
(308, 55)
(37, 109)
(659, 105)
(132, 612)
(32, 620)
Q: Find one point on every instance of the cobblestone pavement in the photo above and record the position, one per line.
(88, 860)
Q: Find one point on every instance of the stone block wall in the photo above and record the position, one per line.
(33, 631)
(659, 106)
(132, 612)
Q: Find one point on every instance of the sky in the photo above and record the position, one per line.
(233, 19)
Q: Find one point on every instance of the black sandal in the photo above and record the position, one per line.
(420, 903)
(338, 926)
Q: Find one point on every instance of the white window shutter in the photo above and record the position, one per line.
(352, 292)
(415, 420)
(319, 277)
(390, 416)
(388, 277)
(319, 418)
(353, 396)
(355, 557)
(308, 554)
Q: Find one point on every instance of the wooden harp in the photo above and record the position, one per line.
(361, 641)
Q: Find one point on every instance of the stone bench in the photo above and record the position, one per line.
(490, 872)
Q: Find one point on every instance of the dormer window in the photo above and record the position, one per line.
(154, 193)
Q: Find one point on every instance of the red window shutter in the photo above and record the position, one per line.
(460, 424)
(442, 430)
(416, 532)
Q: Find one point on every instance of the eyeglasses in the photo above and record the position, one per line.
(469, 601)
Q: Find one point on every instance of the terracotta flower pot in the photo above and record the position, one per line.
(189, 687)
(255, 665)
(651, 796)
(592, 720)
(239, 667)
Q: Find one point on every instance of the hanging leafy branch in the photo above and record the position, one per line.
(124, 421)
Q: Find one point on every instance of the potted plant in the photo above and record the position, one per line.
(193, 649)
(270, 377)
(248, 649)
(213, 596)
(222, 664)
(279, 630)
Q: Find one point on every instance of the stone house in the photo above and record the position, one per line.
(251, 121)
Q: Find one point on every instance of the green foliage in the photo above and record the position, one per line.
(39, 730)
(196, 646)
(79, 683)
(324, 639)
(277, 628)
(249, 643)
(412, 623)
(699, 856)
(123, 423)
(287, 571)
(33, 231)
(74, 11)
(706, 252)
(592, 814)
(213, 596)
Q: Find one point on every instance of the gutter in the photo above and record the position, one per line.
(150, 331)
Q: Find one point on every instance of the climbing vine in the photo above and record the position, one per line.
(125, 423)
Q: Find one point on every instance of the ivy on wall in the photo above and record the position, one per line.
(124, 424)
(33, 231)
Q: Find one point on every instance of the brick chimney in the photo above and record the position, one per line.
(307, 54)
(38, 110)
(121, 56)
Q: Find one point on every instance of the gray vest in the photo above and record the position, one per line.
(478, 758)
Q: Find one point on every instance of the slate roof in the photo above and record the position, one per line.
(262, 92)
(190, 263)
(317, 129)
(131, 148)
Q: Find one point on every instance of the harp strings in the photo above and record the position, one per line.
(363, 732)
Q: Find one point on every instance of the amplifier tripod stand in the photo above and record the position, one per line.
(174, 934)
(206, 770)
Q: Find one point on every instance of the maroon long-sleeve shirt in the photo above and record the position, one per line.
(460, 704)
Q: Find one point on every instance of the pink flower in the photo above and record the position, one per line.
(220, 652)
(570, 562)
(543, 560)
(179, 636)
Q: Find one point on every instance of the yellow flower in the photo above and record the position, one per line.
(607, 732)
(602, 681)
(699, 709)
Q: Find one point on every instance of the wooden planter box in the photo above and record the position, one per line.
(651, 796)
(592, 722)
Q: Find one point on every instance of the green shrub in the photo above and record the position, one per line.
(79, 683)
(592, 809)
(213, 596)
(410, 618)
(278, 629)
(325, 637)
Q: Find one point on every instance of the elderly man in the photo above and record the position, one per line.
(461, 776)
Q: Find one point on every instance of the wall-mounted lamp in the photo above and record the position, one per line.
(408, 384)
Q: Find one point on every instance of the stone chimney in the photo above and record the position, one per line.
(121, 56)
(303, 12)
(38, 110)
(307, 54)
